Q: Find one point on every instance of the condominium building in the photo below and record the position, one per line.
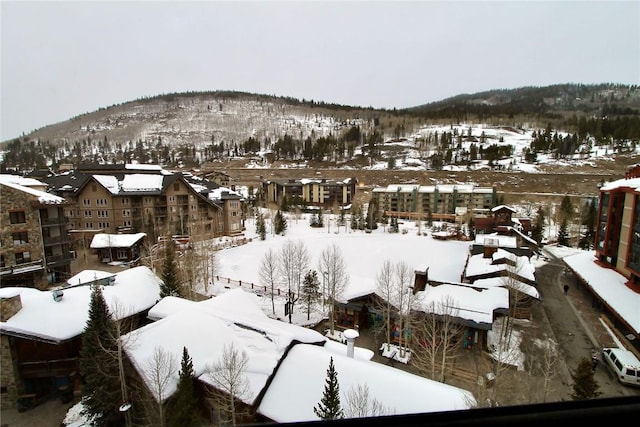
(322, 192)
(432, 201)
(154, 201)
(34, 243)
(618, 232)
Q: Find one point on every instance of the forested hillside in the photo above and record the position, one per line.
(188, 129)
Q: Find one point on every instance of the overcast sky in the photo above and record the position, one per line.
(61, 59)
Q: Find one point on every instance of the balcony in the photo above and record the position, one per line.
(25, 267)
(55, 260)
(45, 222)
(56, 240)
(49, 368)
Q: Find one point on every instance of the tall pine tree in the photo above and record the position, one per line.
(329, 407)
(170, 279)
(99, 363)
(584, 384)
(261, 229)
(184, 407)
(280, 223)
(537, 231)
(563, 235)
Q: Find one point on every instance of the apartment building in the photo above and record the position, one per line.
(314, 192)
(438, 202)
(34, 243)
(125, 199)
(617, 241)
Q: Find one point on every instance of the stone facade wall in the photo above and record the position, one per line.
(15, 200)
(8, 381)
(9, 307)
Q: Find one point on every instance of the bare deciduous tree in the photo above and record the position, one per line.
(436, 334)
(358, 404)
(158, 370)
(384, 288)
(332, 264)
(404, 299)
(228, 375)
(269, 274)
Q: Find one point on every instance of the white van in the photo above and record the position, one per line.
(624, 363)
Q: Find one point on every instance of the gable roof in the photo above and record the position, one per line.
(104, 240)
(475, 306)
(42, 318)
(41, 196)
(479, 266)
(206, 328)
(291, 396)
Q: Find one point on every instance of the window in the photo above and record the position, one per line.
(87, 214)
(121, 254)
(125, 201)
(172, 199)
(88, 225)
(86, 202)
(126, 212)
(23, 257)
(20, 238)
(17, 217)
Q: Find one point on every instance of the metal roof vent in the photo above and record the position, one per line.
(57, 295)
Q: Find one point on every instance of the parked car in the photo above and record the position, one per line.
(624, 364)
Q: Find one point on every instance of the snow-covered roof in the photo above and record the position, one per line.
(141, 182)
(608, 284)
(510, 282)
(495, 239)
(142, 166)
(291, 396)
(41, 317)
(89, 276)
(43, 197)
(109, 182)
(500, 207)
(233, 318)
(463, 302)
(21, 180)
(104, 240)
(631, 183)
(479, 265)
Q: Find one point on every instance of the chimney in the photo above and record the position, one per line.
(350, 335)
(9, 307)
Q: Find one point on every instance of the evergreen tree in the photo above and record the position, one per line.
(537, 231)
(184, 408)
(563, 236)
(284, 203)
(589, 218)
(310, 288)
(566, 209)
(584, 384)
(99, 363)
(170, 277)
(329, 406)
(261, 229)
(280, 223)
